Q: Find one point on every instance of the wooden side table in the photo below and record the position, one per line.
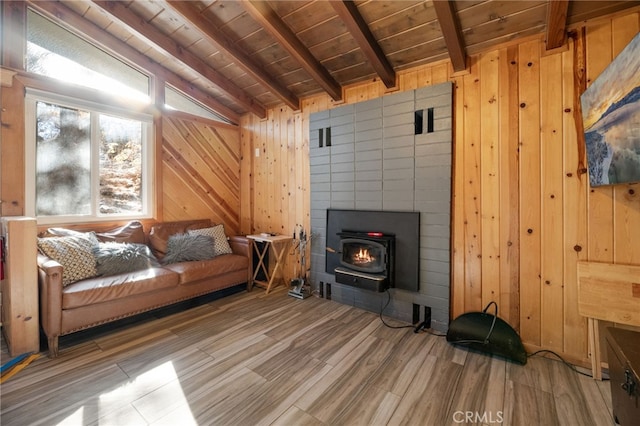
(279, 244)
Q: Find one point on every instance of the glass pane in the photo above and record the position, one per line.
(176, 100)
(120, 165)
(57, 53)
(362, 254)
(63, 160)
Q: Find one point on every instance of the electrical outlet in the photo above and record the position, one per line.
(257, 152)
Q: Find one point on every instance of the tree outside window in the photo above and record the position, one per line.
(65, 149)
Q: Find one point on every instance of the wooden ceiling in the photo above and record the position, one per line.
(240, 56)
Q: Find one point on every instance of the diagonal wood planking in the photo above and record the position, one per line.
(201, 172)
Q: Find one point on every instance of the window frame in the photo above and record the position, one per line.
(32, 96)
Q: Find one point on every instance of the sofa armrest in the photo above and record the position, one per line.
(240, 245)
(243, 246)
(50, 283)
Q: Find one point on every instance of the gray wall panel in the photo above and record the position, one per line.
(377, 163)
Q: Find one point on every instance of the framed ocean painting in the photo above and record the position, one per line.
(611, 119)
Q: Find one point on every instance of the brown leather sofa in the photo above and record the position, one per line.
(98, 300)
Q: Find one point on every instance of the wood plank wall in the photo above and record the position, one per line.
(201, 171)
(524, 214)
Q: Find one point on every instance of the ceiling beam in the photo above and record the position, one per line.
(556, 33)
(352, 19)
(452, 34)
(274, 25)
(216, 37)
(77, 23)
(120, 12)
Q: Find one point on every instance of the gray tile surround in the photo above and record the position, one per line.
(375, 162)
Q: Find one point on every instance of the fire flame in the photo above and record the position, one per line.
(363, 256)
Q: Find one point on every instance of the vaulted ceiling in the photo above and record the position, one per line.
(241, 56)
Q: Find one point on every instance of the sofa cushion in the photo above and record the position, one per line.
(74, 252)
(193, 271)
(103, 289)
(116, 258)
(63, 232)
(132, 232)
(220, 243)
(186, 247)
(159, 233)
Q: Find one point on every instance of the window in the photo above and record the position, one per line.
(55, 52)
(89, 162)
(180, 102)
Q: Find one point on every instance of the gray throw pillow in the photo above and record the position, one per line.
(117, 258)
(186, 247)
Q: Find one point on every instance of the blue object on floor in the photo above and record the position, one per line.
(13, 362)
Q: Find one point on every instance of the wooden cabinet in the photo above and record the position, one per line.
(623, 350)
(608, 292)
(20, 319)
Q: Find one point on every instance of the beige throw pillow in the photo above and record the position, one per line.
(74, 253)
(220, 243)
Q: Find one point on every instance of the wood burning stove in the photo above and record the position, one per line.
(404, 269)
(366, 259)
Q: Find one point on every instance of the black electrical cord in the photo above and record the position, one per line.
(541, 351)
(486, 339)
(571, 366)
(435, 334)
(385, 307)
(405, 326)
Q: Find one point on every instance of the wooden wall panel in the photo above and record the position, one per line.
(617, 205)
(201, 171)
(530, 196)
(523, 215)
(509, 187)
(627, 198)
(12, 173)
(471, 196)
(574, 217)
(600, 206)
(490, 178)
(458, 283)
(552, 196)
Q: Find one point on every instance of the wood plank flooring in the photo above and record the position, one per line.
(256, 359)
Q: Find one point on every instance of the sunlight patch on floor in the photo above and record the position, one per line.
(162, 377)
(77, 418)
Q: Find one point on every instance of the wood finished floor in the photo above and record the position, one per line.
(252, 359)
